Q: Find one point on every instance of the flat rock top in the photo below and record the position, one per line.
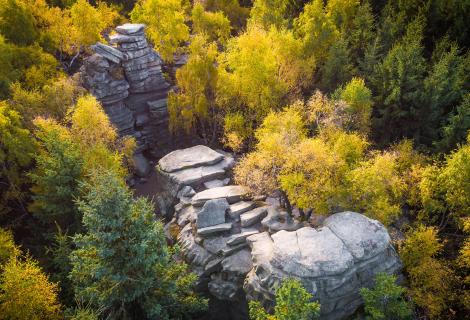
(231, 193)
(130, 28)
(364, 237)
(189, 158)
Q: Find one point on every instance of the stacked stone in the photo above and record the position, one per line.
(103, 76)
(142, 64)
(148, 88)
(127, 78)
(243, 248)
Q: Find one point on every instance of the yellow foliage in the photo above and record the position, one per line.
(377, 188)
(213, 24)
(87, 21)
(431, 286)
(90, 125)
(194, 102)
(316, 29)
(26, 292)
(166, 26)
(8, 248)
(95, 136)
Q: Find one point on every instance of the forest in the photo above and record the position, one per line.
(329, 105)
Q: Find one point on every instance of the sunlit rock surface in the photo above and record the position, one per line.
(242, 249)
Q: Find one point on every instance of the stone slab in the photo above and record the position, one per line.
(231, 193)
(214, 229)
(251, 217)
(212, 213)
(196, 156)
(130, 28)
(238, 208)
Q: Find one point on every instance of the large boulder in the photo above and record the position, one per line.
(242, 249)
(333, 262)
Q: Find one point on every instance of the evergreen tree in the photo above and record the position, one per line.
(399, 87)
(385, 301)
(16, 153)
(293, 302)
(121, 262)
(59, 166)
(17, 23)
(444, 88)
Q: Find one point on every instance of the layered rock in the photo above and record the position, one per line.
(241, 248)
(126, 77)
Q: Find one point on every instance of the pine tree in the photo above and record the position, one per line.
(121, 262)
(16, 153)
(293, 302)
(385, 301)
(399, 87)
(56, 177)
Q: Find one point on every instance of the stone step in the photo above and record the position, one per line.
(254, 216)
(241, 237)
(238, 208)
(196, 156)
(214, 229)
(231, 193)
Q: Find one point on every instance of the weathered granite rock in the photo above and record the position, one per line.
(214, 229)
(241, 237)
(131, 28)
(332, 261)
(141, 165)
(231, 193)
(212, 213)
(240, 207)
(277, 220)
(124, 77)
(214, 184)
(251, 217)
(329, 265)
(196, 156)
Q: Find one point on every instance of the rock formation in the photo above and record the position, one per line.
(242, 249)
(126, 77)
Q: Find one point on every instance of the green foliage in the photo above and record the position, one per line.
(16, 152)
(56, 177)
(457, 125)
(385, 301)
(120, 262)
(17, 23)
(338, 68)
(399, 88)
(293, 302)
(359, 100)
(165, 24)
(444, 88)
(26, 292)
